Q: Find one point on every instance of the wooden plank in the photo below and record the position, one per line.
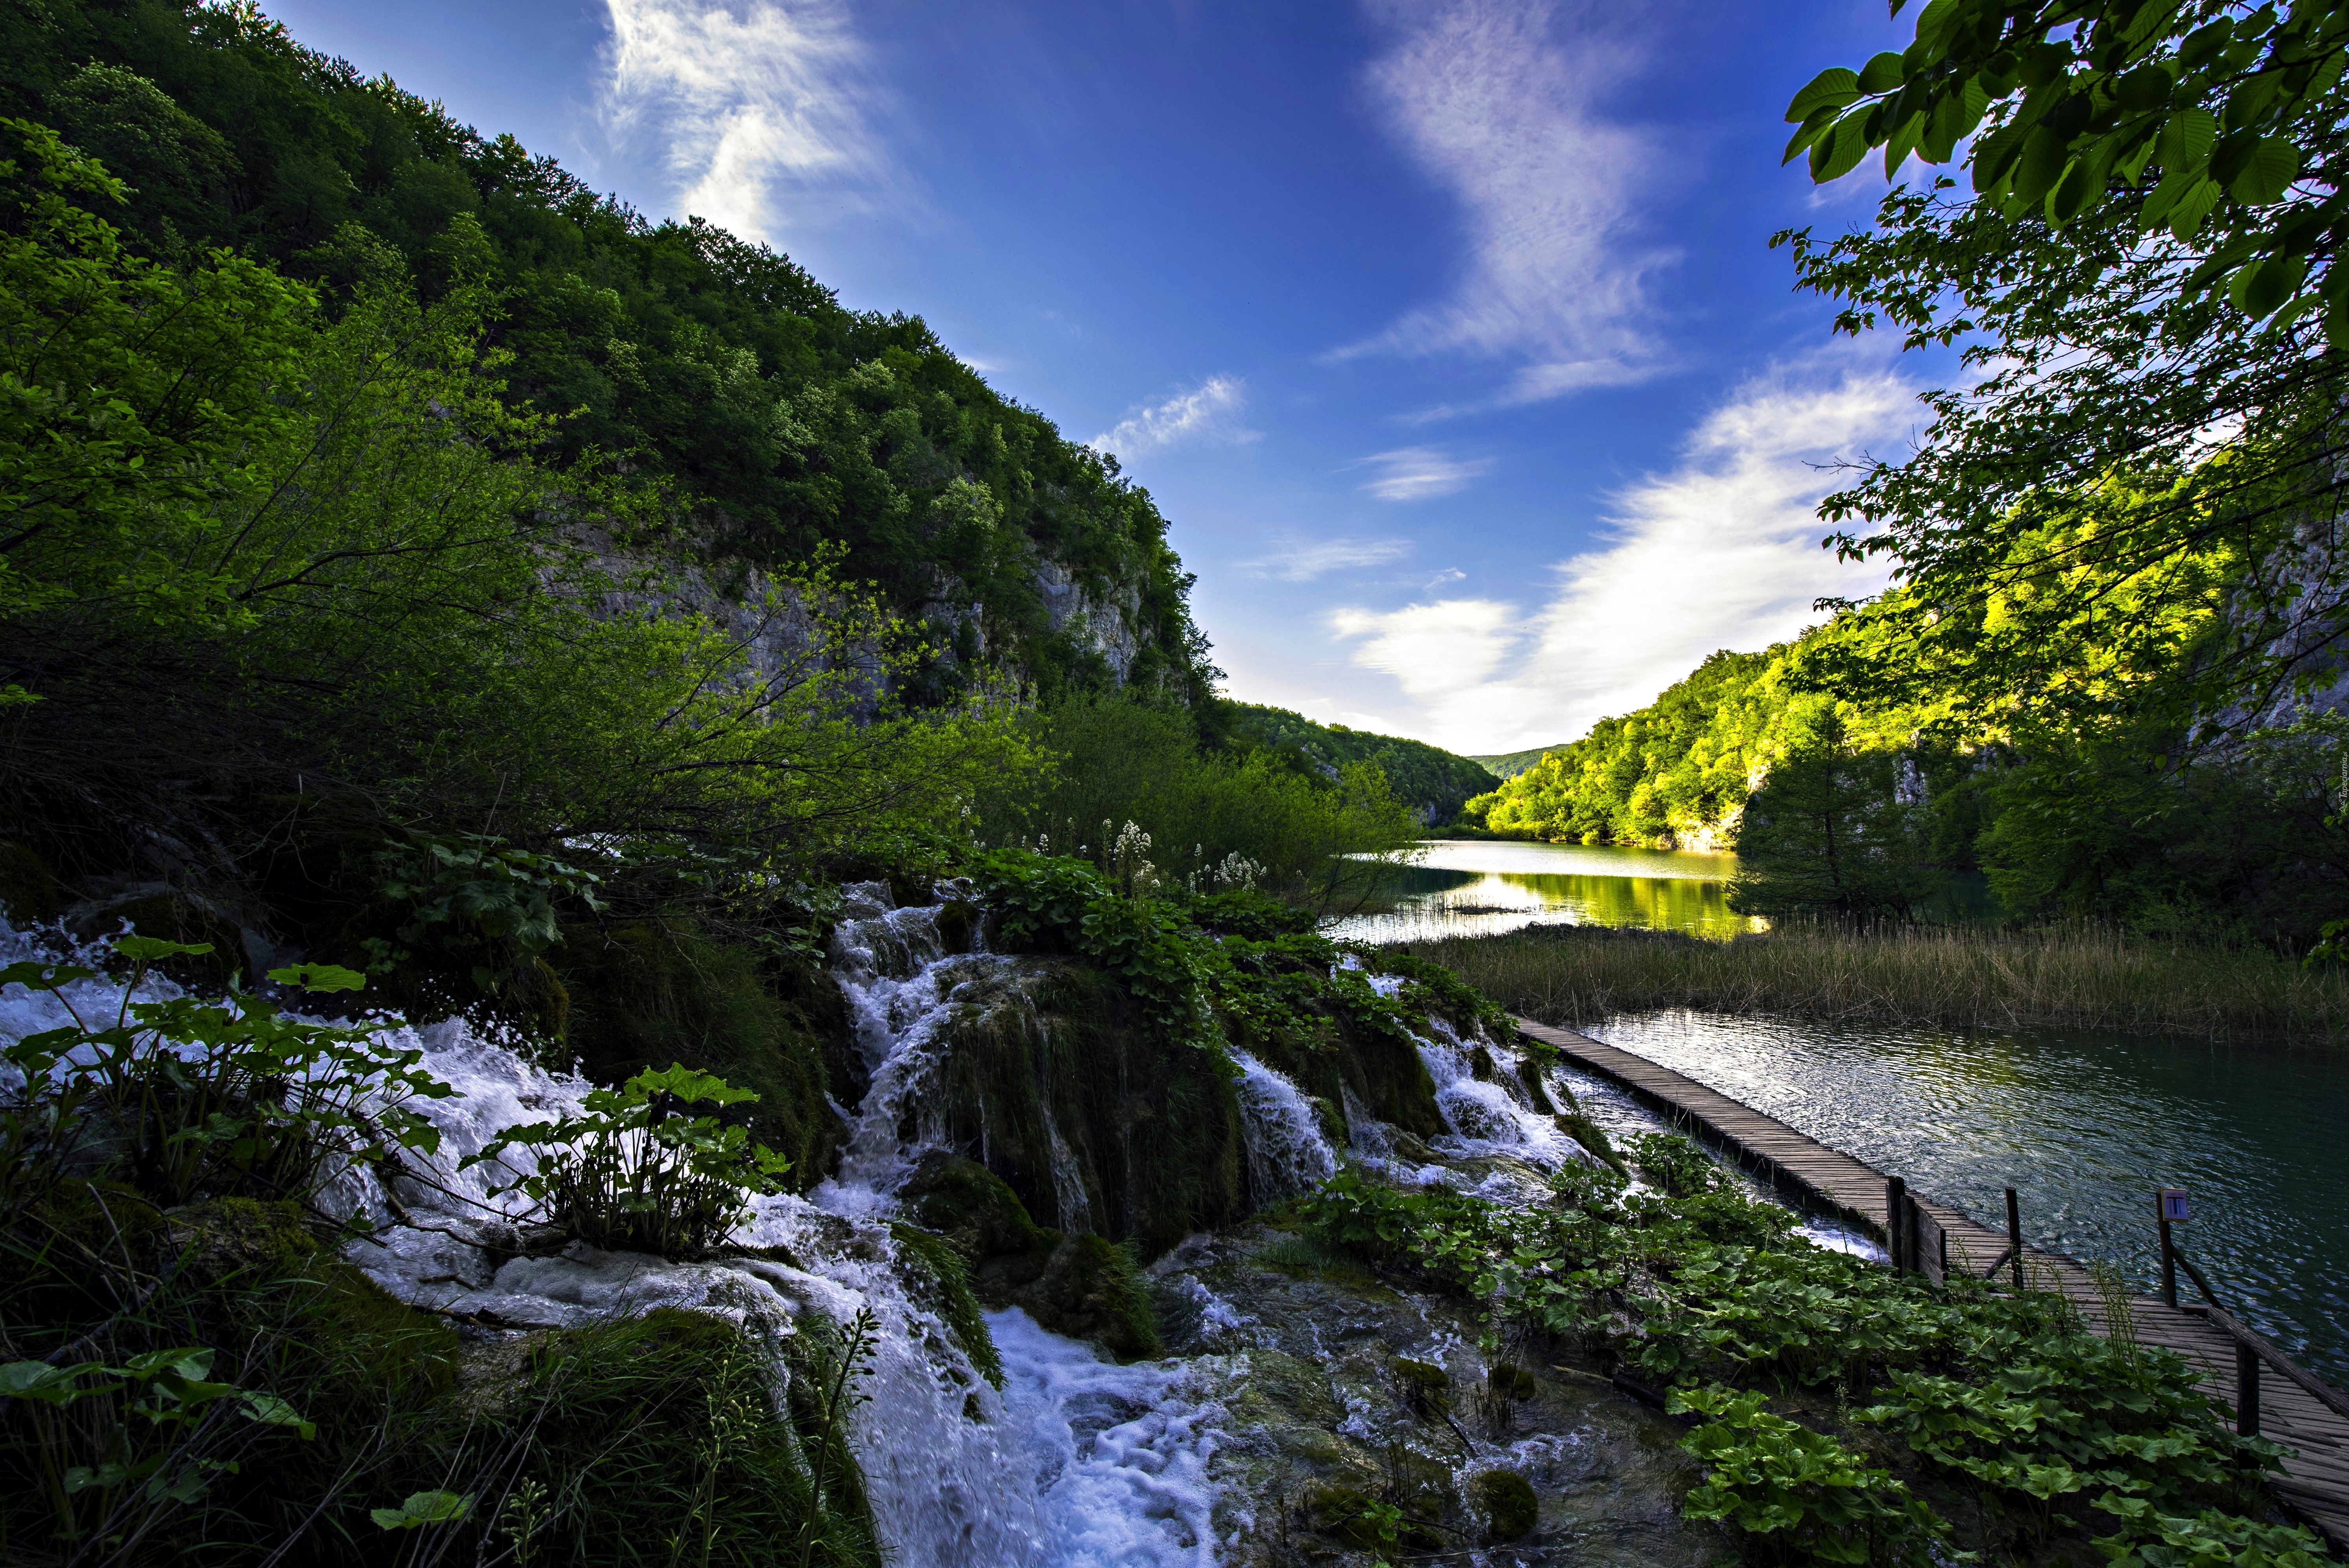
(2316, 1479)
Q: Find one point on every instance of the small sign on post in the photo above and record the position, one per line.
(2168, 1209)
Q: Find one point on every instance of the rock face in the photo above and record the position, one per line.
(1101, 625)
(1344, 1398)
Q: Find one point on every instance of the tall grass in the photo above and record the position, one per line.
(2076, 977)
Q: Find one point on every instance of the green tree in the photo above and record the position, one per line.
(1829, 833)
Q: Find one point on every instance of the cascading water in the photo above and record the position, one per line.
(1288, 1152)
(1077, 1462)
(1488, 1117)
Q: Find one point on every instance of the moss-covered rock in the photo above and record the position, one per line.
(1090, 1288)
(940, 1280)
(1593, 1138)
(29, 887)
(973, 1210)
(649, 992)
(1507, 1501)
(1058, 1081)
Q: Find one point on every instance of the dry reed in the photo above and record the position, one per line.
(2073, 978)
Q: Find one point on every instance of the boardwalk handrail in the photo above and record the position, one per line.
(2259, 1345)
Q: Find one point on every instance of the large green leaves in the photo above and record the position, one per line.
(2231, 108)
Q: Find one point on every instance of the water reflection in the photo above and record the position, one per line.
(1474, 888)
(2085, 1126)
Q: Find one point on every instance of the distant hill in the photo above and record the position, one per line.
(1436, 781)
(1509, 765)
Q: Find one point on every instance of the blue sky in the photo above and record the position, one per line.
(1446, 335)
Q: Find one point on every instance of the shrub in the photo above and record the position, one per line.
(1796, 1495)
(633, 1173)
(186, 1098)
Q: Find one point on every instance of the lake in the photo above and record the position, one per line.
(2084, 1126)
(1482, 887)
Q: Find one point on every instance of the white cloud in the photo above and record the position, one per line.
(1491, 102)
(1208, 412)
(1721, 550)
(1432, 650)
(1299, 561)
(1421, 473)
(756, 102)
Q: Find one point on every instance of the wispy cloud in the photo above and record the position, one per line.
(1718, 551)
(1436, 649)
(1210, 411)
(1492, 102)
(1421, 473)
(1299, 561)
(1721, 550)
(757, 102)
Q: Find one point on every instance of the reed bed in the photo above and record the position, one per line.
(1979, 976)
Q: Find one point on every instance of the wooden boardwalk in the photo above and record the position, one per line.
(2315, 1478)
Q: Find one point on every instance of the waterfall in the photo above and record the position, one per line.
(1067, 1181)
(1078, 1463)
(1287, 1150)
(892, 967)
(1487, 1119)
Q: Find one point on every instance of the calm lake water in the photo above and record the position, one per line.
(2084, 1126)
(1482, 887)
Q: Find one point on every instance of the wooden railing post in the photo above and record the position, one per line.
(2014, 1238)
(2247, 1390)
(2168, 1255)
(1896, 1222)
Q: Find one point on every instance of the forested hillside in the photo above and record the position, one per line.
(1509, 765)
(1434, 782)
(2127, 779)
(672, 352)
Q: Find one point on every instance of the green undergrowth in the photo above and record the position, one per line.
(190, 1371)
(1844, 1413)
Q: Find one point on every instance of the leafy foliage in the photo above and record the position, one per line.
(187, 1098)
(1799, 1495)
(1431, 781)
(634, 1172)
(1703, 1290)
(702, 360)
(330, 548)
(1320, 840)
(2204, 119)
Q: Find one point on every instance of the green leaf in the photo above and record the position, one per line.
(1831, 88)
(43, 976)
(2192, 206)
(147, 949)
(272, 1411)
(1882, 74)
(1838, 153)
(2081, 187)
(424, 1508)
(2267, 173)
(319, 977)
(2261, 288)
(189, 1362)
(2188, 139)
(50, 1384)
(1902, 143)
(2045, 158)
(2144, 90)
